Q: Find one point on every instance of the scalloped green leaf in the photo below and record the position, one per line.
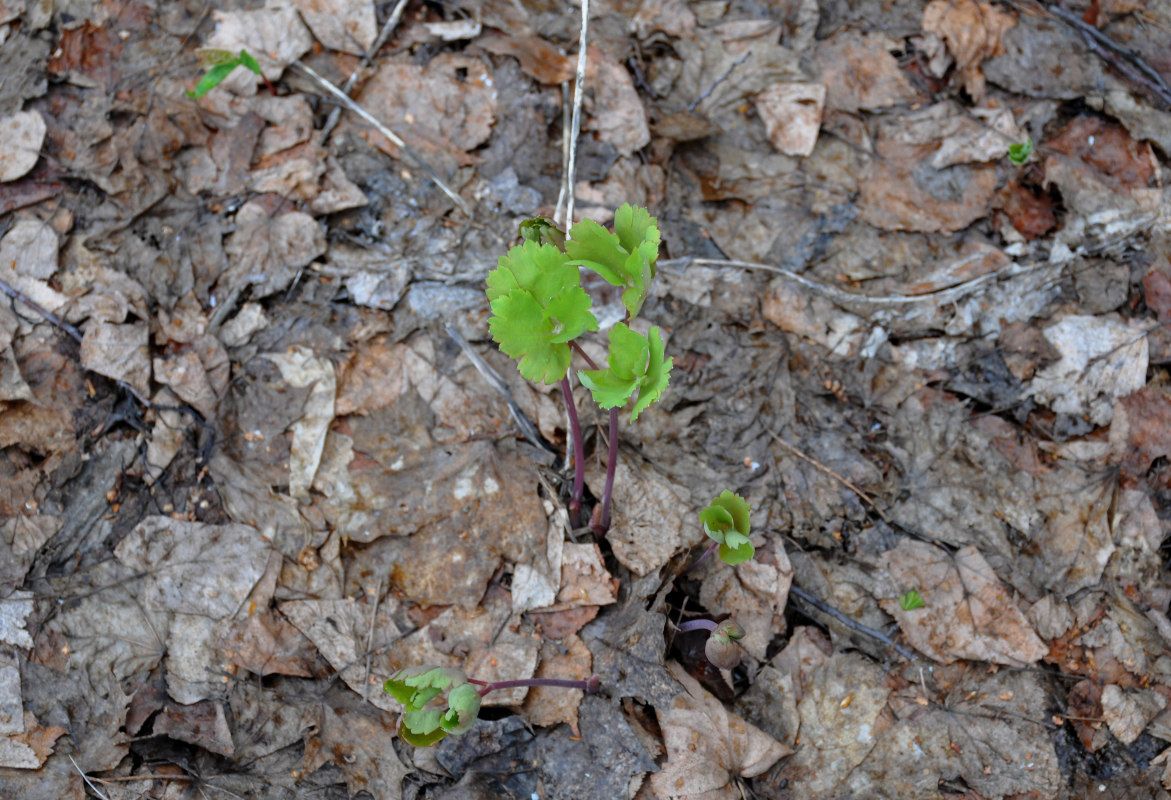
(538, 306)
(635, 364)
(624, 258)
(422, 728)
(415, 687)
(728, 521)
(463, 707)
(542, 230)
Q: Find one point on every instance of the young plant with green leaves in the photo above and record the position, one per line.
(221, 64)
(727, 523)
(1019, 153)
(539, 309)
(441, 700)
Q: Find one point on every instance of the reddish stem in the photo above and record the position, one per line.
(611, 467)
(578, 455)
(706, 554)
(697, 625)
(582, 353)
(589, 686)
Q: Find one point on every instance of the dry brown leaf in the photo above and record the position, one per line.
(265, 644)
(960, 136)
(753, 593)
(541, 60)
(203, 724)
(618, 116)
(972, 31)
(302, 368)
(859, 72)
(1128, 712)
(708, 747)
(21, 136)
(548, 705)
(267, 252)
(967, 613)
(274, 35)
(347, 26)
(118, 351)
(359, 742)
(338, 193)
(652, 516)
(897, 194)
(791, 113)
(584, 578)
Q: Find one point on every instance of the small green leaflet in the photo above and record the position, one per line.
(911, 600)
(538, 307)
(623, 258)
(416, 687)
(223, 63)
(726, 521)
(636, 363)
(1019, 153)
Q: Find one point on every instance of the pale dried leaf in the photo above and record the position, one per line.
(967, 613)
(791, 113)
(21, 136)
(275, 36)
(652, 516)
(618, 115)
(268, 252)
(1128, 712)
(192, 567)
(859, 72)
(118, 351)
(347, 26)
(359, 741)
(29, 248)
(14, 613)
(11, 701)
(301, 368)
(568, 660)
(708, 747)
(959, 136)
(753, 593)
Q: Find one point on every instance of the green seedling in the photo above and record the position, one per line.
(722, 648)
(221, 64)
(726, 521)
(425, 722)
(539, 309)
(1019, 153)
(911, 600)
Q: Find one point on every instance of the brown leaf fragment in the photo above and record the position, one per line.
(753, 593)
(540, 59)
(338, 192)
(792, 115)
(708, 747)
(265, 644)
(1128, 712)
(557, 625)
(347, 26)
(268, 251)
(618, 115)
(859, 72)
(584, 578)
(359, 741)
(548, 705)
(972, 31)
(274, 35)
(967, 613)
(118, 351)
(20, 539)
(1143, 424)
(1121, 162)
(203, 724)
(900, 193)
(650, 516)
(1032, 212)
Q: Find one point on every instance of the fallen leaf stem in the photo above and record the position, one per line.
(578, 454)
(588, 686)
(697, 625)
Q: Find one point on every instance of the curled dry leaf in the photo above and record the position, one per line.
(301, 368)
(792, 115)
(708, 747)
(967, 613)
(972, 32)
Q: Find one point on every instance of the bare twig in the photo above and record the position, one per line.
(575, 122)
(370, 640)
(88, 782)
(858, 626)
(845, 482)
(395, 139)
(20, 296)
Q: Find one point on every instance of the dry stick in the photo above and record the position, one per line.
(370, 640)
(20, 296)
(395, 139)
(834, 475)
(575, 122)
(858, 626)
(384, 34)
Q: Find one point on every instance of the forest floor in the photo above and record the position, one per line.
(258, 451)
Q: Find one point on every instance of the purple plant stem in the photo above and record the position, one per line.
(589, 686)
(706, 554)
(697, 625)
(578, 454)
(611, 468)
(582, 353)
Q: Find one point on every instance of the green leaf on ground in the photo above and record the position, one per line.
(635, 363)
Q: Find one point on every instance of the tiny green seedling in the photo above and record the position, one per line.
(1019, 153)
(726, 521)
(911, 600)
(539, 309)
(221, 64)
(425, 722)
(722, 648)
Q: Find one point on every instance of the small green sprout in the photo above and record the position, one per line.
(721, 647)
(636, 363)
(911, 600)
(221, 64)
(1019, 153)
(726, 521)
(542, 230)
(424, 723)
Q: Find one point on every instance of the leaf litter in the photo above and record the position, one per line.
(238, 444)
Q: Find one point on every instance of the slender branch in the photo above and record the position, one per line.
(590, 686)
(858, 626)
(16, 294)
(575, 122)
(578, 454)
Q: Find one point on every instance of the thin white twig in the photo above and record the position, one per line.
(566, 113)
(395, 139)
(88, 782)
(575, 124)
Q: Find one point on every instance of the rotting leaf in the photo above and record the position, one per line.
(972, 31)
(267, 251)
(21, 136)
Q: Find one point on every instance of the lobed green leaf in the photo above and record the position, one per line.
(624, 258)
(415, 687)
(422, 728)
(635, 363)
(728, 521)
